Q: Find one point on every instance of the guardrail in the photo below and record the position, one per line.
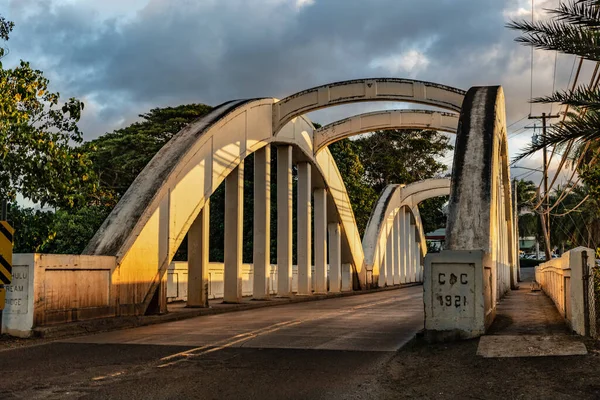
(566, 280)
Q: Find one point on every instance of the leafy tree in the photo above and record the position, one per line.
(37, 157)
(118, 157)
(402, 156)
(346, 154)
(33, 228)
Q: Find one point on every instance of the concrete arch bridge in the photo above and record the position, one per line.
(171, 198)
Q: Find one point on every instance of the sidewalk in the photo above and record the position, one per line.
(526, 322)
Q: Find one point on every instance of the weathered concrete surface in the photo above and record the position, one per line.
(529, 325)
(479, 214)
(529, 346)
(562, 280)
(178, 311)
(337, 348)
(361, 90)
(374, 322)
(385, 119)
(58, 288)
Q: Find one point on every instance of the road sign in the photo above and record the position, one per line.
(6, 247)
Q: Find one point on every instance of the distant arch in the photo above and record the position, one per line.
(362, 90)
(394, 198)
(386, 119)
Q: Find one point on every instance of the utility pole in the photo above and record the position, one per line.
(546, 203)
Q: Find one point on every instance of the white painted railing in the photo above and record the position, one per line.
(177, 280)
(562, 279)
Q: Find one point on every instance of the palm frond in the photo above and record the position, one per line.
(581, 13)
(560, 36)
(580, 128)
(582, 97)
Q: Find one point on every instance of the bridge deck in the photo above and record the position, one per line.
(372, 322)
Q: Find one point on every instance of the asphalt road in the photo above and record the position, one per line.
(335, 348)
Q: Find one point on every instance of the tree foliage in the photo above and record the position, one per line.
(118, 157)
(37, 155)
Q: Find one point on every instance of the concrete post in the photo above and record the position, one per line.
(262, 222)
(413, 252)
(320, 231)
(389, 257)
(397, 248)
(409, 248)
(403, 245)
(234, 218)
(198, 259)
(284, 220)
(382, 262)
(335, 257)
(304, 231)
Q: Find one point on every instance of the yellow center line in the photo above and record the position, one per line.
(223, 344)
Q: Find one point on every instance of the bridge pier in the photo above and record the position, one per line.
(304, 228)
(389, 258)
(198, 251)
(320, 232)
(404, 240)
(284, 220)
(397, 249)
(335, 257)
(234, 219)
(262, 223)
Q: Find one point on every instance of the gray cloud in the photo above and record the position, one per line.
(212, 51)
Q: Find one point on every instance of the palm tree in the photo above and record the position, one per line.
(573, 29)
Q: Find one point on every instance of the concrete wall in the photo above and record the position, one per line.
(56, 288)
(562, 280)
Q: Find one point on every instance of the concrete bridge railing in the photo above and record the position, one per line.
(566, 280)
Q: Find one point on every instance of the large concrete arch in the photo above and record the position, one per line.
(480, 239)
(362, 90)
(386, 119)
(394, 198)
(149, 223)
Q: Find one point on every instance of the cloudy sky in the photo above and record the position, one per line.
(123, 57)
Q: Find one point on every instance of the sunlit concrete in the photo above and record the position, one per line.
(320, 241)
(385, 119)
(262, 222)
(480, 245)
(335, 261)
(198, 251)
(304, 229)
(234, 221)
(361, 90)
(284, 220)
(373, 322)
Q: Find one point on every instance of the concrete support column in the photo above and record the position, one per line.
(397, 249)
(284, 220)
(262, 222)
(382, 261)
(304, 231)
(320, 231)
(234, 219)
(335, 257)
(406, 253)
(389, 256)
(413, 252)
(198, 259)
